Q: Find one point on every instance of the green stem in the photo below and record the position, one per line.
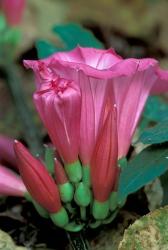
(77, 241)
(30, 131)
(83, 213)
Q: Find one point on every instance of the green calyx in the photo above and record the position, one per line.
(100, 210)
(82, 195)
(74, 171)
(60, 218)
(42, 211)
(66, 191)
(86, 175)
(73, 227)
(113, 201)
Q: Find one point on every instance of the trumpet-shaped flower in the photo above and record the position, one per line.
(96, 73)
(13, 10)
(10, 183)
(39, 183)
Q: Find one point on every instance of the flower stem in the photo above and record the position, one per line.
(83, 213)
(77, 241)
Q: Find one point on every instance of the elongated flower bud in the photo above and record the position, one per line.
(10, 183)
(104, 169)
(39, 183)
(13, 10)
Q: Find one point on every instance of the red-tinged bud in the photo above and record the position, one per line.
(104, 168)
(39, 183)
(13, 10)
(60, 175)
(66, 189)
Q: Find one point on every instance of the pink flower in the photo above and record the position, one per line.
(39, 183)
(161, 84)
(59, 106)
(7, 154)
(104, 170)
(10, 183)
(13, 10)
(98, 73)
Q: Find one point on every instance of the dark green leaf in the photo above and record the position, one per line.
(45, 49)
(156, 109)
(156, 134)
(73, 34)
(142, 169)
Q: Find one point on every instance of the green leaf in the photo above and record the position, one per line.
(156, 134)
(156, 109)
(142, 169)
(45, 49)
(73, 34)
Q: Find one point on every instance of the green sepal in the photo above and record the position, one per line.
(113, 201)
(74, 171)
(73, 227)
(110, 218)
(28, 196)
(100, 210)
(122, 162)
(60, 218)
(95, 224)
(82, 195)
(42, 211)
(66, 191)
(49, 159)
(86, 175)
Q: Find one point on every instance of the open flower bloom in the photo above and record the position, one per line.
(39, 183)
(13, 10)
(96, 73)
(104, 170)
(10, 183)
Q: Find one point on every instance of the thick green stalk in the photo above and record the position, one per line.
(30, 131)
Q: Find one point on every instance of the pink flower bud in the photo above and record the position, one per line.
(59, 107)
(13, 10)
(10, 183)
(104, 170)
(39, 183)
